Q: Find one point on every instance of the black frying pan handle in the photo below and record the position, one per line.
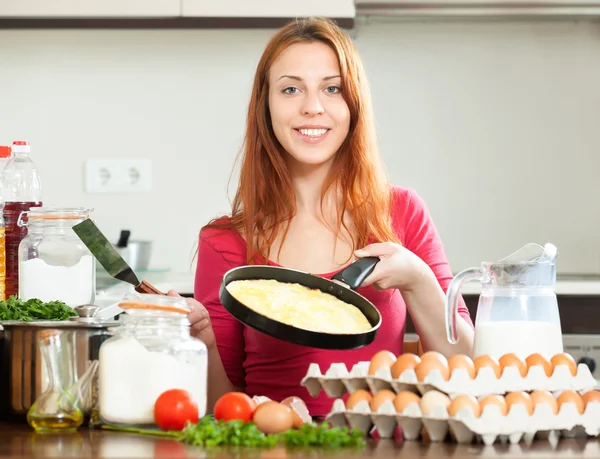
(357, 272)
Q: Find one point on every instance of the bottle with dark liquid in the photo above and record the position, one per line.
(21, 190)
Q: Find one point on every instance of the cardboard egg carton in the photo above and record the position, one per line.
(517, 425)
(337, 380)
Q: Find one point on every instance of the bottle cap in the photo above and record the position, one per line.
(21, 146)
(4, 152)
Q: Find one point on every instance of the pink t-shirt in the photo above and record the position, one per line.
(274, 368)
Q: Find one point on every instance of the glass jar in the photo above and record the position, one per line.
(54, 264)
(151, 352)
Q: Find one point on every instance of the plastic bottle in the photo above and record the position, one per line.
(21, 190)
(4, 158)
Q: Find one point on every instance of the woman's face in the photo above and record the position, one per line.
(310, 117)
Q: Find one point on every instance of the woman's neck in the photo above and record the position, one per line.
(308, 184)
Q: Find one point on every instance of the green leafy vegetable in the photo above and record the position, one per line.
(34, 309)
(210, 432)
(323, 435)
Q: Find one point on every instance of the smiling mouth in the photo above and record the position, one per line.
(314, 133)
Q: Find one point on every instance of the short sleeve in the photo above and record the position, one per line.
(212, 265)
(416, 229)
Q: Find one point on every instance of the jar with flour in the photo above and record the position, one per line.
(54, 265)
(151, 352)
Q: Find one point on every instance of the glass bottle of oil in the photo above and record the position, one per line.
(59, 407)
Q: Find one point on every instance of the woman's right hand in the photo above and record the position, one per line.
(200, 321)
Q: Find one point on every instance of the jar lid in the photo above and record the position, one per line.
(151, 304)
(58, 213)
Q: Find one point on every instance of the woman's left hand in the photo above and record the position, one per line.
(398, 267)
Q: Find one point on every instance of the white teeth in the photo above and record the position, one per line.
(313, 132)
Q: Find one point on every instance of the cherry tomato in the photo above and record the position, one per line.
(173, 408)
(234, 405)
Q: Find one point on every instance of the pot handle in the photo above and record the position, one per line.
(357, 272)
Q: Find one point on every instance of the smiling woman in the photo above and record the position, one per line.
(313, 196)
(295, 95)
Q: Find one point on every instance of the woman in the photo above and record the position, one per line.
(312, 196)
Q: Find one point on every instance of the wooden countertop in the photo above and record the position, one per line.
(20, 441)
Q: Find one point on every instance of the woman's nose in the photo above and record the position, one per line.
(312, 105)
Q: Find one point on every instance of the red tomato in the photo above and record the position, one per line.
(173, 408)
(234, 405)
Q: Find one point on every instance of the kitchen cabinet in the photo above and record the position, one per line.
(267, 8)
(89, 8)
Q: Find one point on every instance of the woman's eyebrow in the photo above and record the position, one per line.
(297, 78)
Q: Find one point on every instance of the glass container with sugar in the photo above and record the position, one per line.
(151, 352)
(54, 264)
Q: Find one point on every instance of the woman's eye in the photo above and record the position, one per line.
(291, 90)
(333, 89)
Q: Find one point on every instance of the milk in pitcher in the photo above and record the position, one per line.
(521, 337)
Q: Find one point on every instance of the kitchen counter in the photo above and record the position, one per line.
(19, 441)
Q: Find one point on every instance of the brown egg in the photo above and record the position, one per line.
(299, 410)
(570, 396)
(358, 396)
(511, 360)
(543, 396)
(380, 397)
(427, 365)
(462, 361)
(564, 359)
(464, 401)
(494, 399)
(272, 417)
(432, 399)
(382, 359)
(434, 355)
(405, 398)
(519, 398)
(404, 362)
(592, 396)
(539, 360)
(487, 361)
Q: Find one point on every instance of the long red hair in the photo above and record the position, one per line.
(264, 203)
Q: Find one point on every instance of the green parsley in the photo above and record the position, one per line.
(34, 309)
(323, 435)
(209, 432)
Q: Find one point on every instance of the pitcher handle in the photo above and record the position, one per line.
(466, 275)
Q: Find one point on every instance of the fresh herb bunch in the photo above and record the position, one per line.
(323, 435)
(34, 309)
(210, 432)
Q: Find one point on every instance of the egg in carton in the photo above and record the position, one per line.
(508, 374)
(386, 410)
(457, 375)
(514, 418)
(518, 417)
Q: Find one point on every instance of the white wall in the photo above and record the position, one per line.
(497, 125)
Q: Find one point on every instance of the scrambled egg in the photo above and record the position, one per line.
(299, 306)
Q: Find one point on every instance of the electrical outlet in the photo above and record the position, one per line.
(118, 175)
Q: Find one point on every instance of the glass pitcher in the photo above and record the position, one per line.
(517, 310)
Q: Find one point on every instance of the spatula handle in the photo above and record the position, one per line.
(146, 287)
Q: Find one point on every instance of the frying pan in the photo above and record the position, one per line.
(342, 286)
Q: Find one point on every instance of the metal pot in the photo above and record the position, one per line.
(23, 375)
(137, 254)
